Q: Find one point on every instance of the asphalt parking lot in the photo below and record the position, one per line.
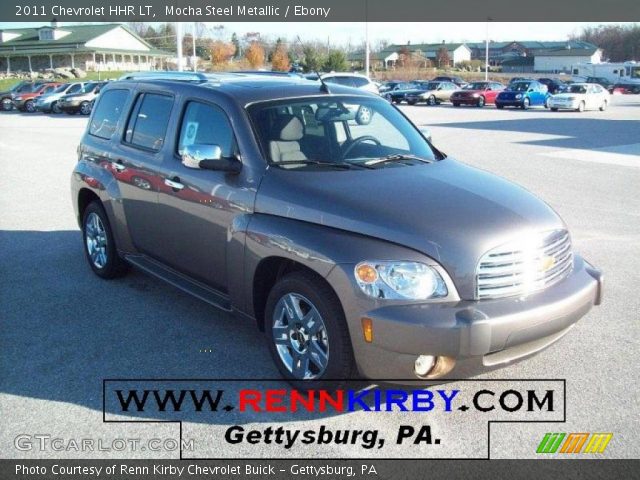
(64, 330)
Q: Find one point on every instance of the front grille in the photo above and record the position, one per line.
(526, 266)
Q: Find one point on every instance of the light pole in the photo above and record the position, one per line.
(366, 48)
(195, 61)
(486, 53)
(179, 44)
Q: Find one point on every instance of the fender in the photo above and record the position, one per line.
(88, 175)
(317, 247)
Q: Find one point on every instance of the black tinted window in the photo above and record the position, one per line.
(107, 113)
(360, 82)
(346, 81)
(148, 122)
(204, 124)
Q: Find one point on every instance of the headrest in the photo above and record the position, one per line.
(289, 128)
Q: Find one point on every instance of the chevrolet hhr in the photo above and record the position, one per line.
(322, 214)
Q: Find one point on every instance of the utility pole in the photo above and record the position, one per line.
(195, 60)
(486, 53)
(179, 44)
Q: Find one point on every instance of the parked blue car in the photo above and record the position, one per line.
(524, 94)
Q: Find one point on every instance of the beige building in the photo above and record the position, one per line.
(101, 47)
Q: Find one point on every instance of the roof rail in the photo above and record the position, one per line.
(163, 75)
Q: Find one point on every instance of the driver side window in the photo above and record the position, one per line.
(206, 124)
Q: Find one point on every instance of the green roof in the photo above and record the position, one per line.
(29, 43)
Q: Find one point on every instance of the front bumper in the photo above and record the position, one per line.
(570, 105)
(479, 335)
(510, 102)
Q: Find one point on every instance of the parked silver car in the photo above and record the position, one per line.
(358, 249)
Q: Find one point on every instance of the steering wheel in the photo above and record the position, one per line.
(358, 141)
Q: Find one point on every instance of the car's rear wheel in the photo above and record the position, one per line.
(526, 103)
(388, 98)
(306, 330)
(6, 104)
(604, 106)
(546, 102)
(581, 107)
(432, 100)
(480, 103)
(85, 108)
(29, 106)
(99, 244)
(55, 108)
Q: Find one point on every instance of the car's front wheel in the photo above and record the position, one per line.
(306, 330)
(480, 102)
(99, 244)
(55, 108)
(581, 107)
(30, 106)
(604, 106)
(432, 100)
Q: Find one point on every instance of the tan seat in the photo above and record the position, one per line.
(289, 130)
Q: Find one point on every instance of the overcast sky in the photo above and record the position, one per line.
(354, 33)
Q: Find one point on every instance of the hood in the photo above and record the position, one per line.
(449, 211)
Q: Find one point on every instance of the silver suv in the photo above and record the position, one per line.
(359, 249)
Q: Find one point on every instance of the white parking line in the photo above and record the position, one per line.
(623, 155)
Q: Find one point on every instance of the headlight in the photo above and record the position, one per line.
(519, 96)
(476, 95)
(399, 280)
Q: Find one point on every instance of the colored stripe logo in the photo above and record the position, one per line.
(574, 442)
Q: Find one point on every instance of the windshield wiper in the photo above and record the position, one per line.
(397, 157)
(344, 166)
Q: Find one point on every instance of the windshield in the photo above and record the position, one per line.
(337, 131)
(519, 86)
(476, 86)
(577, 89)
(89, 87)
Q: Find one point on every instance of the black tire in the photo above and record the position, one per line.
(432, 100)
(55, 108)
(411, 102)
(114, 266)
(6, 104)
(364, 115)
(604, 106)
(340, 363)
(526, 103)
(554, 109)
(29, 106)
(546, 102)
(581, 107)
(85, 108)
(480, 103)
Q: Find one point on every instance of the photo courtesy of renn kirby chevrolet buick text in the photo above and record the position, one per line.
(322, 214)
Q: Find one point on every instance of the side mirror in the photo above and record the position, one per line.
(97, 91)
(211, 158)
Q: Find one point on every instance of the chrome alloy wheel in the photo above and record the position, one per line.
(96, 240)
(300, 337)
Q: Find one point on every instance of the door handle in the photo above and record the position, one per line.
(174, 183)
(118, 165)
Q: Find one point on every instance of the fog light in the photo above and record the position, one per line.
(424, 364)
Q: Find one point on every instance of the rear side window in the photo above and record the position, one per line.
(360, 82)
(346, 81)
(148, 122)
(104, 121)
(204, 124)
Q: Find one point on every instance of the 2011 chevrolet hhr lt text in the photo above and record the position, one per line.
(324, 215)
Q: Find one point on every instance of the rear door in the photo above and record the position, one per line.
(137, 158)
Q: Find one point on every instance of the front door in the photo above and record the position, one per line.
(197, 206)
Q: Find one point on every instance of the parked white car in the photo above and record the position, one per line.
(581, 97)
(354, 80)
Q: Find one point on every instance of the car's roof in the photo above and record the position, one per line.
(247, 88)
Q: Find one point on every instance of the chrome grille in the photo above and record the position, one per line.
(525, 266)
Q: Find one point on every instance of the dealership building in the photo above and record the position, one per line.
(102, 47)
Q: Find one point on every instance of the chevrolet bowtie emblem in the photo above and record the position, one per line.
(547, 263)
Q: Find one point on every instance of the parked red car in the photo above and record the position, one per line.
(477, 93)
(25, 101)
